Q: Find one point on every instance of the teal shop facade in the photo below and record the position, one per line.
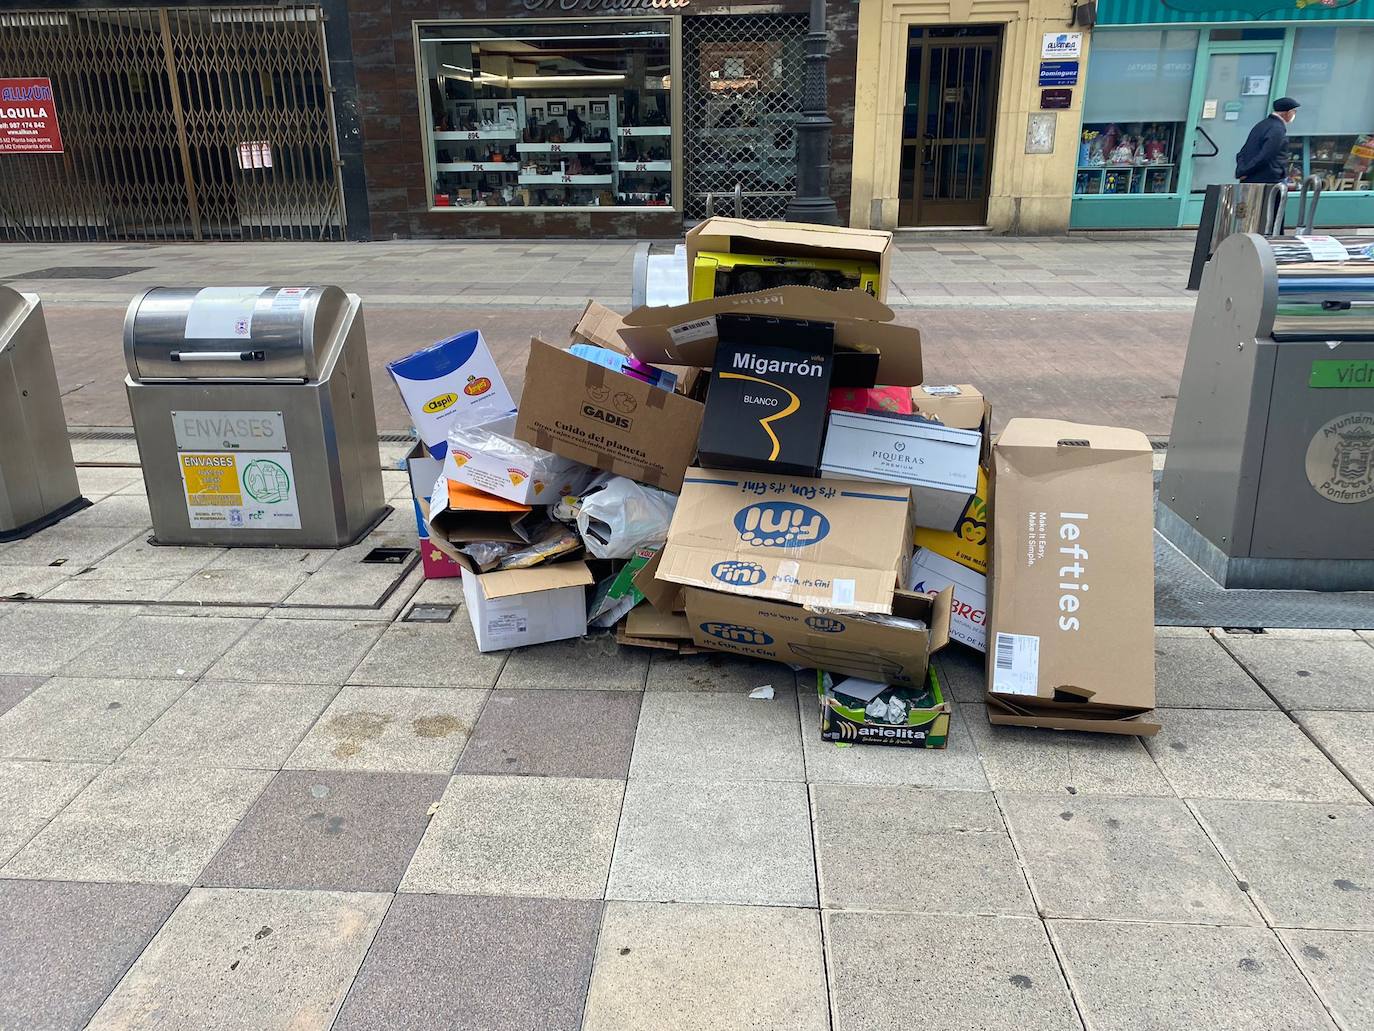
(1172, 87)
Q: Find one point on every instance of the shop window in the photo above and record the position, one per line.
(549, 114)
(1332, 76)
(1135, 109)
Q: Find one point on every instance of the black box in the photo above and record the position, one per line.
(766, 408)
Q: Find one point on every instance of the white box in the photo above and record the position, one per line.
(453, 383)
(969, 613)
(939, 462)
(490, 459)
(513, 608)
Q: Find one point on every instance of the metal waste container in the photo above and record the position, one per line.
(37, 476)
(1269, 479)
(253, 412)
(1229, 208)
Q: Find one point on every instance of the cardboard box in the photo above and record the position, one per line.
(453, 383)
(599, 325)
(665, 598)
(424, 469)
(645, 627)
(744, 236)
(861, 646)
(869, 712)
(766, 406)
(605, 419)
(471, 515)
(1072, 631)
(836, 543)
(939, 463)
(716, 273)
(513, 608)
(958, 405)
(967, 543)
(969, 607)
(687, 334)
(489, 458)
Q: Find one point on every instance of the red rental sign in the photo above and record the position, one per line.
(28, 117)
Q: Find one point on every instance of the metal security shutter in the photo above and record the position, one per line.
(741, 98)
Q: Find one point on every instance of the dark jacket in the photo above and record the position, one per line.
(1264, 158)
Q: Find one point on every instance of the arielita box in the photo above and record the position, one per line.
(453, 383)
(1072, 631)
(875, 647)
(841, 544)
(490, 459)
(969, 609)
(940, 463)
(870, 712)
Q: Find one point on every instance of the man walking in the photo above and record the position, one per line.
(1264, 157)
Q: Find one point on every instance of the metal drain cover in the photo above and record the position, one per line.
(82, 272)
(387, 556)
(429, 614)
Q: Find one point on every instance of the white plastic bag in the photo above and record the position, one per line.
(618, 515)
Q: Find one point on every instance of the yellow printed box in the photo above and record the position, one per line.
(967, 543)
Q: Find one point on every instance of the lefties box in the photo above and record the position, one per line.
(968, 614)
(860, 646)
(452, 383)
(939, 462)
(605, 419)
(766, 406)
(837, 543)
(1072, 631)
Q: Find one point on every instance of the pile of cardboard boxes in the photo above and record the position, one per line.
(767, 473)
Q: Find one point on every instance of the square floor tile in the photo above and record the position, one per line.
(255, 960)
(691, 736)
(31, 581)
(308, 651)
(1198, 673)
(1103, 858)
(1346, 737)
(535, 836)
(158, 647)
(705, 968)
(747, 843)
(583, 663)
(70, 545)
(1207, 753)
(340, 830)
(79, 718)
(39, 639)
(876, 848)
(140, 823)
(31, 794)
(716, 672)
(1307, 865)
(444, 961)
(416, 655)
(115, 510)
(1319, 673)
(554, 734)
(66, 945)
(1340, 966)
(396, 729)
(252, 726)
(98, 481)
(1147, 976)
(955, 767)
(1031, 759)
(956, 972)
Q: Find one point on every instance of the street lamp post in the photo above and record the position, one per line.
(812, 201)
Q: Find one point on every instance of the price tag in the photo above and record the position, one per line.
(641, 167)
(555, 148)
(566, 178)
(1324, 248)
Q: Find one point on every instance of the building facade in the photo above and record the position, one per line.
(1174, 86)
(952, 124)
(586, 118)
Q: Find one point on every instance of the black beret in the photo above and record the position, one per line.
(1286, 104)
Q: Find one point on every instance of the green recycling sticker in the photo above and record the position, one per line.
(1342, 372)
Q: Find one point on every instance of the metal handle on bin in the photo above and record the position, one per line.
(219, 356)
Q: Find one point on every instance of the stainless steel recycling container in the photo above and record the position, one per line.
(37, 476)
(253, 412)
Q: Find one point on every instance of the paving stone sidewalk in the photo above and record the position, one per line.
(248, 815)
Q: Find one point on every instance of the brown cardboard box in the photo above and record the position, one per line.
(600, 325)
(743, 236)
(1071, 637)
(645, 627)
(962, 410)
(606, 419)
(686, 334)
(665, 598)
(838, 543)
(857, 645)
